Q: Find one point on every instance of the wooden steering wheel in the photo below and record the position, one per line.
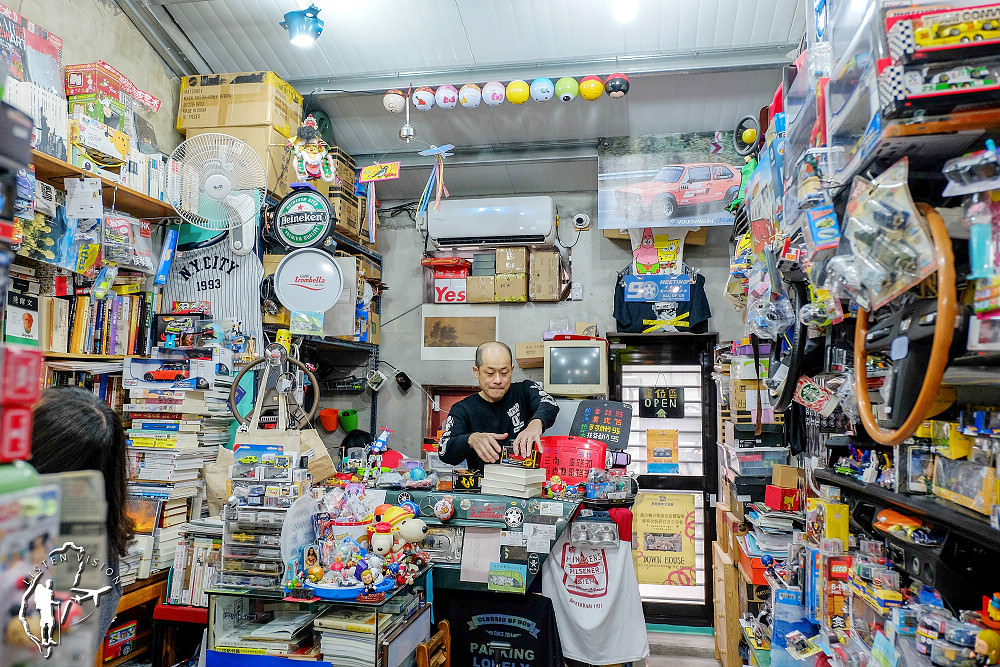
(304, 421)
(916, 323)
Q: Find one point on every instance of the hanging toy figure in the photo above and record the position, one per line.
(647, 260)
(373, 463)
(312, 158)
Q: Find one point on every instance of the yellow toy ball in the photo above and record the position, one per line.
(315, 573)
(749, 136)
(518, 92)
(591, 88)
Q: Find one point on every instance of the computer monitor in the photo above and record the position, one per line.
(576, 368)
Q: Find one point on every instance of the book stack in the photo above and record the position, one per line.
(180, 419)
(157, 525)
(288, 634)
(514, 481)
(197, 563)
(349, 635)
(128, 565)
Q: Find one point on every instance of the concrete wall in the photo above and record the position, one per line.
(98, 30)
(596, 262)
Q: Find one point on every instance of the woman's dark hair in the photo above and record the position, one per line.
(76, 430)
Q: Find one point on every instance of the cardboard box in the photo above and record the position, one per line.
(104, 110)
(785, 477)
(271, 147)
(347, 210)
(511, 287)
(544, 282)
(530, 355)
(375, 328)
(512, 260)
(781, 499)
(243, 99)
(342, 320)
(283, 317)
(585, 329)
(344, 168)
(449, 290)
(480, 289)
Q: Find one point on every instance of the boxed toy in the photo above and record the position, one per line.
(782, 499)
(826, 520)
(242, 99)
(102, 143)
(821, 234)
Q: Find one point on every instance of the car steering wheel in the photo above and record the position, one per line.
(303, 421)
(782, 393)
(928, 327)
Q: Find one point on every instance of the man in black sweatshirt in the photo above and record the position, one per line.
(502, 411)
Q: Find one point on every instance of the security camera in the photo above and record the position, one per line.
(581, 221)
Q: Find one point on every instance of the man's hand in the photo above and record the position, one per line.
(528, 438)
(487, 445)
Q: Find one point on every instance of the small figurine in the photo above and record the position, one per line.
(312, 158)
(987, 647)
(382, 539)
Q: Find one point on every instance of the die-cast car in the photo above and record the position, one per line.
(167, 373)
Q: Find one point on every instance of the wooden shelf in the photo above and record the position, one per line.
(53, 170)
(83, 357)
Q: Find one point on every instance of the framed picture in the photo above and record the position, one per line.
(453, 332)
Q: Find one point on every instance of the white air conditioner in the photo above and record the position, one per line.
(493, 221)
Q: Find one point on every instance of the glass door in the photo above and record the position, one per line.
(667, 379)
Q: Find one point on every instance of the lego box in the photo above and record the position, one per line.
(249, 98)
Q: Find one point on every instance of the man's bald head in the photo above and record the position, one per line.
(493, 348)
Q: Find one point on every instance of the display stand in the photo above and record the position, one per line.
(397, 638)
(502, 513)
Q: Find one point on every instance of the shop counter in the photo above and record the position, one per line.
(492, 542)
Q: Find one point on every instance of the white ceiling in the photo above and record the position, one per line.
(696, 65)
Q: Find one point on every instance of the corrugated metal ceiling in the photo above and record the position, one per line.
(370, 45)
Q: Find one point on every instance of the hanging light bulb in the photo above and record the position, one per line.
(304, 26)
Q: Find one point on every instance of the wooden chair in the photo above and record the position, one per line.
(436, 651)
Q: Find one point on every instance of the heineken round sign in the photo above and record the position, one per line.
(303, 219)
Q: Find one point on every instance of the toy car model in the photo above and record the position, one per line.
(885, 215)
(926, 81)
(677, 186)
(170, 372)
(956, 33)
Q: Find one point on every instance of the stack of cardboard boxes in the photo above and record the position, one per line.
(514, 275)
(265, 112)
(782, 493)
(258, 108)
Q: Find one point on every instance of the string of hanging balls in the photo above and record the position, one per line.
(495, 93)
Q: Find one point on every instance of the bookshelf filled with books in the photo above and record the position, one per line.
(352, 634)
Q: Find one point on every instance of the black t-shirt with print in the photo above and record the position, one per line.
(524, 401)
(631, 316)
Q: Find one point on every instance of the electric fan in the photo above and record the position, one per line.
(746, 137)
(216, 182)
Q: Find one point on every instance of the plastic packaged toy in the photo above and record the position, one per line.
(890, 242)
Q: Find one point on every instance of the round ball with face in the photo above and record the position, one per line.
(591, 88)
(394, 101)
(494, 93)
(446, 96)
(567, 89)
(423, 98)
(542, 89)
(470, 96)
(616, 86)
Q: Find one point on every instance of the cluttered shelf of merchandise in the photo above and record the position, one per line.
(943, 512)
(55, 171)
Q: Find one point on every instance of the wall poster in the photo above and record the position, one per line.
(663, 539)
(667, 180)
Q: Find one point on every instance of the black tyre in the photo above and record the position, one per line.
(180, 377)
(730, 196)
(781, 396)
(148, 377)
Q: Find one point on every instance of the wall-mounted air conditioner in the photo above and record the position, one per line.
(495, 221)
